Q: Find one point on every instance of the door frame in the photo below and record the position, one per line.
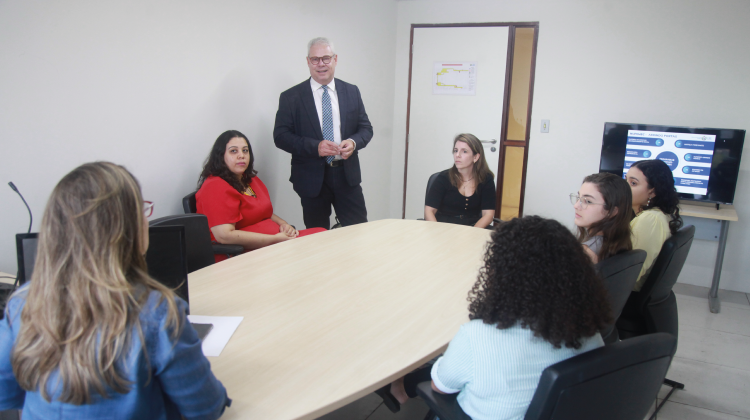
(504, 142)
(504, 125)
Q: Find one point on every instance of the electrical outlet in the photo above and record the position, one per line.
(545, 126)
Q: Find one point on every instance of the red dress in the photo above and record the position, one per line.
(222, 205)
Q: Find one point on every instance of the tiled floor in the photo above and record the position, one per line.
(712, 360)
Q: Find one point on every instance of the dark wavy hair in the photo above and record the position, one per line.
(537, 274)
(659, 177)
(215, 165)
(615, 226)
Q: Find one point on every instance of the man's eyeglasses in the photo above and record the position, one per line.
(574, 198)
(326, 59)
(148, 208)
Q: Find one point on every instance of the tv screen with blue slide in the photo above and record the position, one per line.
(705, 162)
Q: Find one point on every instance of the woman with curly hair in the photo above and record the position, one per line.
(92, 335)
(655, 215)
(602, 215)
(235, 200)
(537, 302)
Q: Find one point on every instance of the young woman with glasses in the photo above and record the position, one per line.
(602, 215)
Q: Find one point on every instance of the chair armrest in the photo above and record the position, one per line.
(445, 406)
(228, 249)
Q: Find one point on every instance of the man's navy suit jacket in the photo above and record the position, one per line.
(297, 131)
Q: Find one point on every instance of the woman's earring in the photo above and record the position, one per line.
(648, 203)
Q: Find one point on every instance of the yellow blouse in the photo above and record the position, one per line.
(649, 229)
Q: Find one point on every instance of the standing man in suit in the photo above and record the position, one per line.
(322, 122)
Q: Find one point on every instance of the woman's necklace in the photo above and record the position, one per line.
(463, 184)
(249, 191)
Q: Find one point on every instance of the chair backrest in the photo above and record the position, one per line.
(188, 203)
(26, 253)
(667, 266)
(619, 273)
(167, 258)
(430, 183)
(617, 382)
(200, 253)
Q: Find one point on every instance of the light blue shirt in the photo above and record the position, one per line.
(170, 377)
(496, 372)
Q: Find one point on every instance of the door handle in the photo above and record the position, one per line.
(493, 141)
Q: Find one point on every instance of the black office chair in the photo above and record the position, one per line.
(200, 250)
(26, 257)
(619, 273)
(617, 382)
(189, 206)
(654, 308)
(431, 182)
(167, 258)
(188, 203)
(26, 244)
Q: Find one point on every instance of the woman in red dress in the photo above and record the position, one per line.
(235, 200)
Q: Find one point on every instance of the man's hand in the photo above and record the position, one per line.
(347, 148)
(327, 148)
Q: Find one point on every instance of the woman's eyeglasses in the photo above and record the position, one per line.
(574, 198)
(148, 208)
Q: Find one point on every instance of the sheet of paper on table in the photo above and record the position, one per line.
(217, 339)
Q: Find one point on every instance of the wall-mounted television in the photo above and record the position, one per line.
(705, 162)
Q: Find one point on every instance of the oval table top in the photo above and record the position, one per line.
(330, 317)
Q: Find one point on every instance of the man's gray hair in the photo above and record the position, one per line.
(320, 41)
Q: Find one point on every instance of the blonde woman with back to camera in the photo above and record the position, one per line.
(92, 335)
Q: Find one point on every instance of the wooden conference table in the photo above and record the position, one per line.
(333, 316)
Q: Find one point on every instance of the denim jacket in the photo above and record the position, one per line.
(169, 377)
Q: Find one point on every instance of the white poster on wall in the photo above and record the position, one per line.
(454, 78)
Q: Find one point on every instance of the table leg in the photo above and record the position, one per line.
(714, 304)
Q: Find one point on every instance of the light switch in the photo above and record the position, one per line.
(545, 126)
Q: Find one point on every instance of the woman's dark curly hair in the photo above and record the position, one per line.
(659, 177)
(215, 165)
(536, 274)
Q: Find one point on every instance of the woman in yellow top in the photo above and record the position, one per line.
(656, 215)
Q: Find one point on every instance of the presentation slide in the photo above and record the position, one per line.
(688, 155)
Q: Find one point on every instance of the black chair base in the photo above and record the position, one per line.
(389, 400)
(675, 385)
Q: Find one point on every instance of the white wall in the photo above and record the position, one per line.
(671, 62)
(150, 85)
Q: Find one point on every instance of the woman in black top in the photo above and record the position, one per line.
(465, 193)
